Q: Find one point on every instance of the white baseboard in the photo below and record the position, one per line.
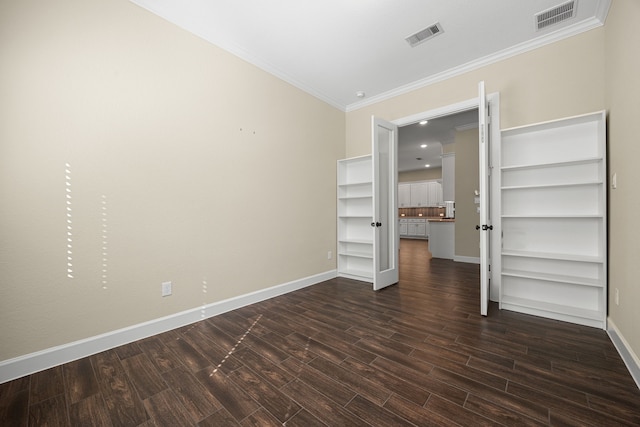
(34, 362)
(467, 259)
(626, 352)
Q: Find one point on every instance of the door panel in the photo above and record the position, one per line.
(385, 202)
(485, 226)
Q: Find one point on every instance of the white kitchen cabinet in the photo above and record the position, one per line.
(355, 214)
(419, 194)
(404, 195)
(553, 219)
(449, 177)
(414, 228)
(434, 196)
(403, 228)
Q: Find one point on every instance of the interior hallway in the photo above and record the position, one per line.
(337, 353)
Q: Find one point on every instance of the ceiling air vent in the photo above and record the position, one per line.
(554, 15)
(424, 35)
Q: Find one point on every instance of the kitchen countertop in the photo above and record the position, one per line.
(442, 220)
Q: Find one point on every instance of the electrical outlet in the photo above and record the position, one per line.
(329, 255)
(617, 297)
(166, 289)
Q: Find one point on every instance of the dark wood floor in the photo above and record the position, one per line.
(339, 354)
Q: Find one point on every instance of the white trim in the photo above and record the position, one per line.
(228, 45)
(527, 46)
(467, 259)
(34, 362)
(631, 360)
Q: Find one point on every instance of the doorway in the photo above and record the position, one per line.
(467, 113)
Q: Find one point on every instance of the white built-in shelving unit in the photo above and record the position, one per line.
(355, 214)
(554, 222)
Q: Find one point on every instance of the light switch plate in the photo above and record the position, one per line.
(166, 289)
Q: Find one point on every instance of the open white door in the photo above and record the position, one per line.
(485, 227)
(385, 204)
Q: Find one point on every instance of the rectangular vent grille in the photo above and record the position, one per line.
(424, 35)
(555, 15)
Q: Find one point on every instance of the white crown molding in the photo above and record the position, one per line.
(530, 45)
(34, 362)
(229, 46)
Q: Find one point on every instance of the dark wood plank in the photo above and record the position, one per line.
(188, 355)
(195, 398)
(374, 414)
(128, 350)
(353, 380)
(161, 356)
(388, 380)
(15, 408)
(321, 406)
(416, 414)
(304, 419)
(460, 415)
(165, 410)
(268, 370)
(14, 386)
(220, 418)
(80, 380)
(269, 397)
(46, 384)
(51, 412)
(326, 385)
(261, 418)
(422, 380)
(234, 399)
(144, 376)
(90, 412)
(121, 399)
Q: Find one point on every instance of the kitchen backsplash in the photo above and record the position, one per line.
(433, 212)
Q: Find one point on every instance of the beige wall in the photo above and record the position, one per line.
(558, 80)
(420, 175)
(212, 172)
(467, 177)
(623, 89)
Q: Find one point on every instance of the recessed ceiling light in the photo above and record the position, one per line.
(423, 146)
(427, 166)
(424, 122)
(360, 94)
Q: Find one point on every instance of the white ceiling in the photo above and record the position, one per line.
(334, 48)
(435, 133)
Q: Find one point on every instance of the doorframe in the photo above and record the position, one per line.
(493, 99)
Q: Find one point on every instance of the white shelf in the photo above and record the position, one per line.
(359, 241)
(355, 184)
(553, 220)
(551, 255)
(355, 197)
(357, 274)
(355, 214)
(357, 254)
(558, 216)
(565, 310)
(570, 184)
(582, 281)
(576, 162)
